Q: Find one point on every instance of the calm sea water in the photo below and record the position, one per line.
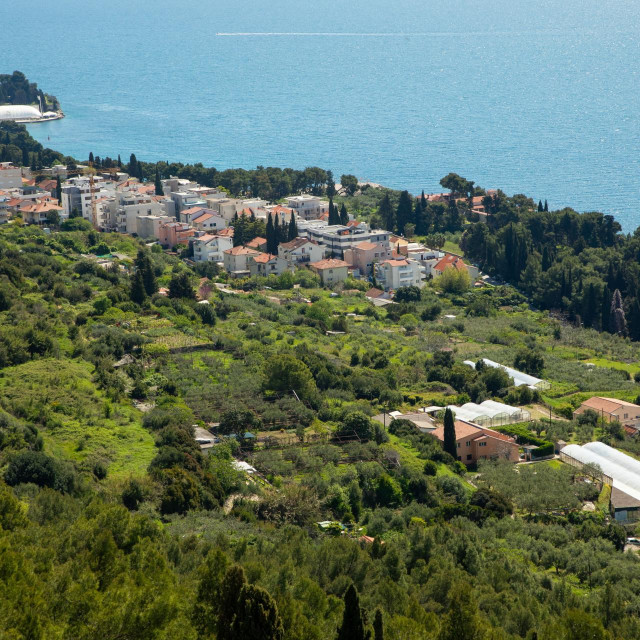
(537, 97)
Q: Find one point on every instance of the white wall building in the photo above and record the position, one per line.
(393, 274)
(211, 248)
(10, 176)
(307, 207)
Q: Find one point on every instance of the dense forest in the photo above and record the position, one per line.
(16, 89)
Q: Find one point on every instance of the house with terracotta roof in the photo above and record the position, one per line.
(475, 443)
(451, 261)
(210, 248)
(258, 243)
(365, 254)
(612, 410)
(267, 264)
(331, 270)
(300, 251)
(393, 274)
(38, 211)
(236, 260)
(203, 219)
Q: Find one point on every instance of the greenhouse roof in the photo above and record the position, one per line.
(621, 468)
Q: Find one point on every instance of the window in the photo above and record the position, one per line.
(468, 456)
(458, 445)
(459, 457)
(482, 444)
(467, 443)
(626, 415)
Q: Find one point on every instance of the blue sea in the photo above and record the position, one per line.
(541, 98)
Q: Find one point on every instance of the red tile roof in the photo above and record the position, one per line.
(395, 263)
(242, 251)
(450, 261)
(329, 263)
(264, 258)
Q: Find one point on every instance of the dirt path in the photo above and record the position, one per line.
(230, 501)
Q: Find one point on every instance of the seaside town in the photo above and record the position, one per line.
(282, 408)
(201, 220)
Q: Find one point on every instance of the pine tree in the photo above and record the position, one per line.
(293, 228)
(257, 616)
(386, 213)
(137, 293)
(462, 622)
(228, 604)
(158, 183)
(450, 434)
(344, 216)
(404, 213)
(352, 627)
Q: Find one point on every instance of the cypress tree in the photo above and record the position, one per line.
(618, 321)
(352, 627)
(450, 434)
(158, 183)
(58, 189)
(133, 165)
(386, 213)
(419, 218)
(423, 201)
(334, 218)
(137, 293)
(91, 158)
(605, 312)
(149, 277)
(272, 246)
(344, 216)
(293, 228)
(540, 207)
(404, 213)
(119, 162)
(378, 629)
(546, 206)
(25, 157)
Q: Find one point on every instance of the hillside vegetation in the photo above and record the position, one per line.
(114, 524)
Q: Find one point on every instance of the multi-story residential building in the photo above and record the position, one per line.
(393, 274)
(236, 260)
(267, 264)
(76, 194)
(171, 234)
(300, 251)
(210, 248)
(450, 261)
(307, 207)
(149, 226)
(364, 255)
(10, 176)
(203, 219)
(258, 243)
(335, 239)
(331, 271)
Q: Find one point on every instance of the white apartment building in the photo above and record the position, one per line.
(393, 274)
(300, 251)
(211, 248)
(308, 207)
(148, 226)
(335, 239)
(76, 194)
(236, 260)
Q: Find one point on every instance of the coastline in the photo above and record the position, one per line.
(57, 115)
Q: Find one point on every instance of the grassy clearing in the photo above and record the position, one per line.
(76, 420)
